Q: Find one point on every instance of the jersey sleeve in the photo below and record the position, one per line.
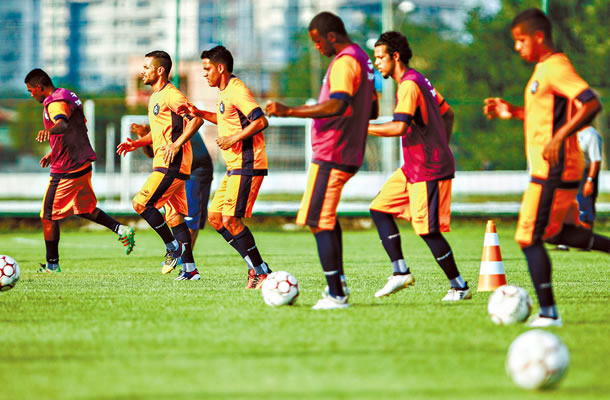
(58, 110)
(243, 100)
(442, 103)
(594, 149)
(566, 81)
(344, 78)
(406, 101)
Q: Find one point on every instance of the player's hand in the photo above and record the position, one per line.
(496, 107)
(188, 109)
(125, 147)
(551, 152)
(169, 152)
(587, 189)
(225, 142)
(43, 135)
(275, 109)
(141, 130)
(45, 161)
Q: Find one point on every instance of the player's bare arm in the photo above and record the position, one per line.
(583, 117)
(256, 126)
(170, 149)
(496, 107)
(587, 189)
(130, 145)
(329, 108)
(60, 126)
(388, 129)
(193, 111)
(142, 130)
(448, 119)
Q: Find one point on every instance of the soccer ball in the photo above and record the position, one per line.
(9, 273)
(509, 304)
(537, 359)
(280, 288)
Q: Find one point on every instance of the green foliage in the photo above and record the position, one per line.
(111, 326)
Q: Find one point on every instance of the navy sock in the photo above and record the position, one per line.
(231, 240)
(157, 222)
(600, 243)
(328, 246)
(52, 247)
(182, 234)
(442, 253)
(539, 264)
(388, 233)
(339, 236)
(246, 241)
(100, 217)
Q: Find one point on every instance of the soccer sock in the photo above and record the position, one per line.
(458, 282)
(182, 234)
(339, 234)
(327, 251)
(231, 240)
(157, 222)
(52, 247)
(100, 217)
(400, 267)
(189, 267)
(539, 264)
(444, 256)
(600, 243)
(245, 240)
(389, 234)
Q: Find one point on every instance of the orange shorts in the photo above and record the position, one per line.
(162, 190)
(544, 210)
(426, 204)
(69, 194)
(325, 182)
(236, 195)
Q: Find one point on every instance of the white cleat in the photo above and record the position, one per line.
(331, 303)
(455, 294)
(544, 322)
(395, 284)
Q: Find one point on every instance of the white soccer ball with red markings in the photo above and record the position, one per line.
(9, 273)
(280, 288)
(537, 360)
(509, 304)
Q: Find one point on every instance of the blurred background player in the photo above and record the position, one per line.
(240, 123)
(169, 135)
(69, 191)
(197, 187)
(338, 139)
(558, 103)
(590, 142)
(419, 191)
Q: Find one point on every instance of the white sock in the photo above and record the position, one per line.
(248, 262)
(189, 267)
(120, 230)
(458, 282)
(173, 246)
(400, 267)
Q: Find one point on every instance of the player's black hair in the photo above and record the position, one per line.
(326, 22)
(534, 20)
(38, 77)
(396, 42)
(219, 55)
(163, 59)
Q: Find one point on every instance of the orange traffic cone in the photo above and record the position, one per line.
(492, 273)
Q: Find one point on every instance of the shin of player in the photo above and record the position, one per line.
(69, 191)
(419, 191)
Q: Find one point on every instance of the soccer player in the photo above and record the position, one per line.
(69, 191)
(591, 144)
(558, 102)
(169, 135)
(240, 123)
(419, 191)
(338, 138)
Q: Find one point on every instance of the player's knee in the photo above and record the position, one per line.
(215, 219)
(233, 224)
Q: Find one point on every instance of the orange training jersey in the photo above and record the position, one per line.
(549, 103)
(166, 126)
(235, 110)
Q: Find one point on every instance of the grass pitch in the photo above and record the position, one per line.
(112, 327)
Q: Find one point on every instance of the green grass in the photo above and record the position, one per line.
(112, 327)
